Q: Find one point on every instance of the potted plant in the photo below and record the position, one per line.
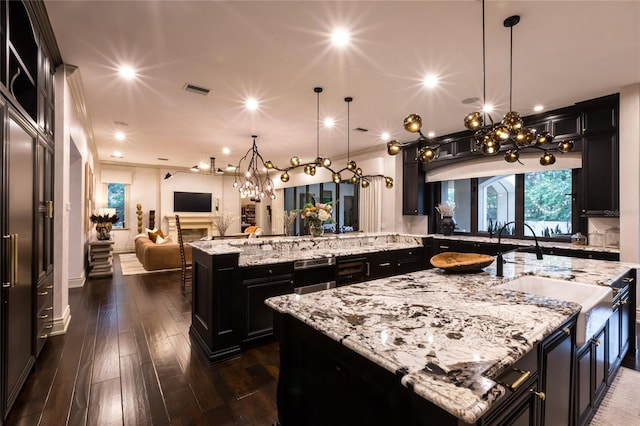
(104, 224)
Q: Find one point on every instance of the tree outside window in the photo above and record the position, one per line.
(116, 200)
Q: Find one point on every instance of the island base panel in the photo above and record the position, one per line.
(322, 382)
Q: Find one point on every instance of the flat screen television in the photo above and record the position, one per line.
(192, 202)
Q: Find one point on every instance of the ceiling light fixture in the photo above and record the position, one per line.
(510, 133)
(202, 168)
(127, 72)
(251, 183)
(310, 168)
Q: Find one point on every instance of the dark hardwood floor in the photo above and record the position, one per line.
(127, 360)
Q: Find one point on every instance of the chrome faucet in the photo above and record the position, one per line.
(500, 260)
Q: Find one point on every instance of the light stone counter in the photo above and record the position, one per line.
(447, 335)
(525, 243)
(264, 251)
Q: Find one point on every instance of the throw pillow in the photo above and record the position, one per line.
(154, 235)
(161, 240)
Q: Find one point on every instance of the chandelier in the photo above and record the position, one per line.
(309, 168)
(251, 184)
(492, 137)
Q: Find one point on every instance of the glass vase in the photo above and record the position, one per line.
(316, 230)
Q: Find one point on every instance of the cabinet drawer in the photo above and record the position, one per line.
(265, 272)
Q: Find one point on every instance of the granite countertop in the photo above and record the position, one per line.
(448, 335)
(265, 251)
(529, 243)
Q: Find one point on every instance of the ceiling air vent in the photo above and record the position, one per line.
(196, 89)
(361, 129)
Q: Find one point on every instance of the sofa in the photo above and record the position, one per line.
(154, 256)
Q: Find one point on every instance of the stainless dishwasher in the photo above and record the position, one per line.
(314, 275)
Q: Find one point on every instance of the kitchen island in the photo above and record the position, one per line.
(435, 348)
(232, 278)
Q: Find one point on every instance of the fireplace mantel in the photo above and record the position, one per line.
(200, 221)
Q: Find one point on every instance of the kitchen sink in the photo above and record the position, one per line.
(596, 301)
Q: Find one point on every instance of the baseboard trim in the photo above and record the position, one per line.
(60, 325)
(77, 282)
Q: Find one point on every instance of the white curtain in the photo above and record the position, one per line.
(371, 206)
(277, 212)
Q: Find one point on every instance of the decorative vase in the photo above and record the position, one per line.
(316, 230)
(447, 225)
(103, 230)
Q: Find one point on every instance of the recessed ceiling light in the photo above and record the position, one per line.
(226, 151)
(385, 136)
(127, 72)
(431, 134)
(203, 165)
(120, 136)
(340, 37)
(538, 108)
(329, 122)
(251, 104)
(116, 154)
(430, 81)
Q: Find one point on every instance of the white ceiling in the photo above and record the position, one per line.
(278, 51)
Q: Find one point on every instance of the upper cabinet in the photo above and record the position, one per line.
(413, 184)
(29, 57)
(600, 158)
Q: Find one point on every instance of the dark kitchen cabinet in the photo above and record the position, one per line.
(216, 297)
(413, 184)
(600, 158)
(258, 284)
(27, 100)
(622, 322)
(591, 376)
(462, 246)
(557, 353)
(394, 262)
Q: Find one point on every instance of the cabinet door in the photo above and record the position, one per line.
(584, 394)
(600, 175)
(557, 357)
(18, 206)
(601, 367)
(258, 317)
(413, 184)
(614, 336)
(409, 260)
(380, 265)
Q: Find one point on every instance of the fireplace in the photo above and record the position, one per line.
(194, 226)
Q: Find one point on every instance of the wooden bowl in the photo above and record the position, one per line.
(461, 262)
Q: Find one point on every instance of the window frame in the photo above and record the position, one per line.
(578, 222)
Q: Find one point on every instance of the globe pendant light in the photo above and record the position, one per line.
(251, 183)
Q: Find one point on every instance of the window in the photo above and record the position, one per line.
(458, 193)
(496, 202)
(116, 197)
(547, 202)
(345, 204)
(542, 199)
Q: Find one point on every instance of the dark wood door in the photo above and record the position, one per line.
(18, 289)
(413, 184)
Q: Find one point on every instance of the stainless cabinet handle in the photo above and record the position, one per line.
(622, 302)
(43, 293)
(44, 336)
(628, 280)
(50, 209)
(444, 247)
(45, 316)
(368, 268)
(384, 264)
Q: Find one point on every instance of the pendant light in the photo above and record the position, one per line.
(251, 183)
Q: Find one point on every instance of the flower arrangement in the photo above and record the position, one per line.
(104, 224)
(96, 218)
(316, 214)
(446, 209)
(223, 221)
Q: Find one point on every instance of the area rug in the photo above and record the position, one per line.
(130, 265)
(621, 404)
